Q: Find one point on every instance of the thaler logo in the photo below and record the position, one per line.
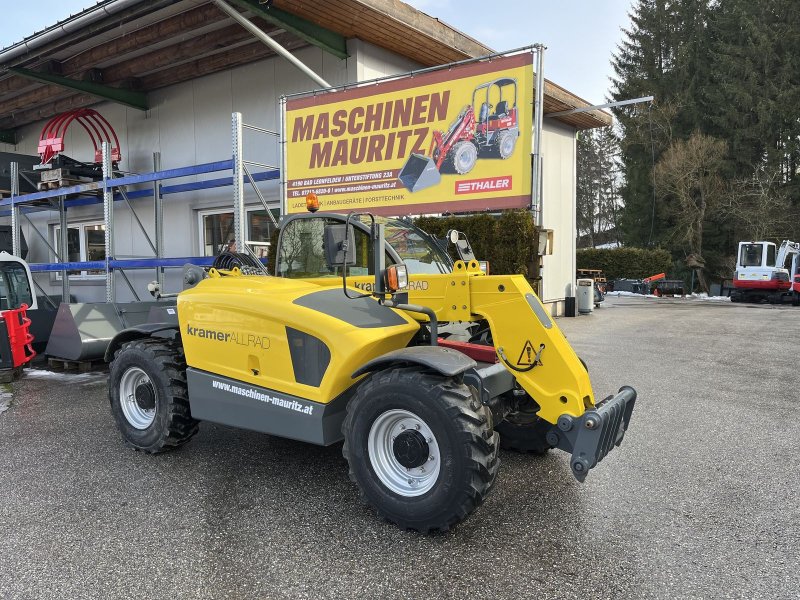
(489, 184)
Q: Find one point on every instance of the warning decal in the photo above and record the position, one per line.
(527, 356)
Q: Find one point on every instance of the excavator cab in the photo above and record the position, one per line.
(763, 271)
(16, 283)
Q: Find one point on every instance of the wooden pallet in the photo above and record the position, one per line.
(81, 366)
(595, 274)
(58, 183)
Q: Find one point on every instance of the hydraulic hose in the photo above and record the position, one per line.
(434, 325)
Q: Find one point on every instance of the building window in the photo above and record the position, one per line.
(85, 242)
(216, 230)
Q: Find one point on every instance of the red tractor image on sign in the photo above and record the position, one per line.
(492, 133)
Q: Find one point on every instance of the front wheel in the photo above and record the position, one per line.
(148, 395)
(420, 448)
(461, 158)
(524, 432)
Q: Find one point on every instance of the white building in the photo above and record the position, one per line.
(168, 74)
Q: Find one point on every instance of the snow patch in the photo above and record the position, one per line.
(69, 378)
(5, 401)
(705, 296)
(630, 295)
(702, 296)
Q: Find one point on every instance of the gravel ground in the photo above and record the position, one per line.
(701, 500)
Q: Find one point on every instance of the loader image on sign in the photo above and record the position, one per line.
(493, 133)
(421, 416)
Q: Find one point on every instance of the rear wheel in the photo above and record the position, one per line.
(524, 432)
(461, 158)
(504, 143)
(148, 395)
(420, 448)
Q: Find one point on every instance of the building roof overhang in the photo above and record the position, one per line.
(120, 50)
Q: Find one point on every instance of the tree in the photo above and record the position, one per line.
(688, 179)
(587, 187)
(753, 94)
(597, 190)
(610, 182)
(759, 207)
(725, 69)
(643, 66)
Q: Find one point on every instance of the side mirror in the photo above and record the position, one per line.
(460, 241)
(335, 253)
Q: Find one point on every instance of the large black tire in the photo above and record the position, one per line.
(461, 158)
(157, 369)
(460, 448)
(524, 432)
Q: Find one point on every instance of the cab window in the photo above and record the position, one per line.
(751, 255)
(302, 255)
(15, 290)
(771, 256)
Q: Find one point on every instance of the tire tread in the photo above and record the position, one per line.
(475, 431)
(167, 356)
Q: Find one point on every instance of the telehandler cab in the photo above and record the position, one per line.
(354, 354)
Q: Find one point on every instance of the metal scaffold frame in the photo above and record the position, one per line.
(111, 189)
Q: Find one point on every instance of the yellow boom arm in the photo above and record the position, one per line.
(527, 340)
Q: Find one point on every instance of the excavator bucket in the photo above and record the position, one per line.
(419, 172)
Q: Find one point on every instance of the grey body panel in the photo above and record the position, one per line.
(310, 357)
(168, 330)
(365, 313)
(238, 404)
(163, 313)
(446, 361)
(491, 380)
(82, 331)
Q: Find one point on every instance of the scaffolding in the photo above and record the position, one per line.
(113, 188)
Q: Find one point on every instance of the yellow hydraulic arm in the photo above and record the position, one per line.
(525, 337)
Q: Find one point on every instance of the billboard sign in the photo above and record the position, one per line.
(451, 139)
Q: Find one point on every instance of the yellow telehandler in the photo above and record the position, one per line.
(344, 344)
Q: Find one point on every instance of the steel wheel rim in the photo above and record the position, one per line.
(399, 479)
(138, 417)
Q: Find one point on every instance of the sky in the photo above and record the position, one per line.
(580, 35)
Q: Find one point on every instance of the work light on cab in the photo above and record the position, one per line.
(396, 278)
(312, 202)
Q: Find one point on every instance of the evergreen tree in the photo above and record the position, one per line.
(587, 188)
(728, 69)
(643, 66)
(598, 200)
